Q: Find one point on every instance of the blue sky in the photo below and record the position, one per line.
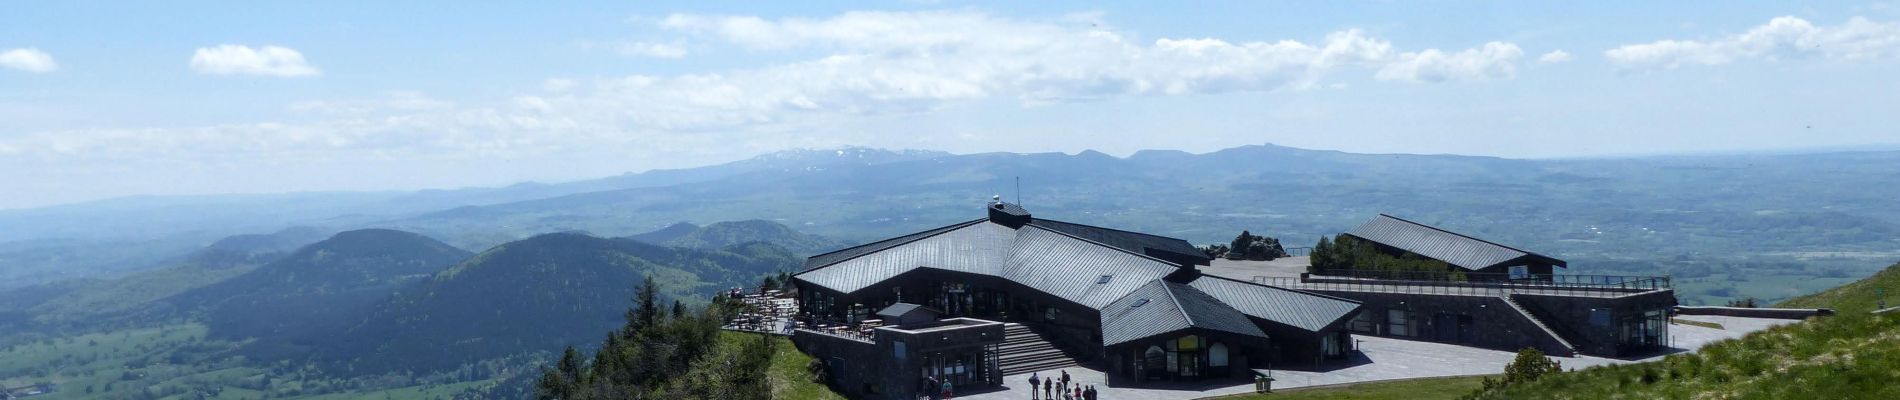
(105, 99)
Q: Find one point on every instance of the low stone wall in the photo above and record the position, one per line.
(1780, 313)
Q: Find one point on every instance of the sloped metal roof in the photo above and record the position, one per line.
(1303, 310)
(1070, 267)
(1159, 307)
(1065, 267)
(1132, 241)
(979, 248)
(1463, 251)
(900, 309)
(847, 253)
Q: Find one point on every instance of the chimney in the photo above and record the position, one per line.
(1010, 215)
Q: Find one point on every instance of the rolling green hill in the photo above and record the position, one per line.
(536, 294)
(1852, 355)
(1860, 296)
(328, 282)
(103, 303)
(730, 233)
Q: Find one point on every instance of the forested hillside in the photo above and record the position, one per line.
(324, 285)
(730, 233)
(536, 294)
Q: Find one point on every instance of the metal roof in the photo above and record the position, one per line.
(1070, 266)
(979, 248)
(1160, 307)
(900, 309)
(1131, 241)
(1463, 251)
(1299, 309)
(1065, 267)
(847, 253)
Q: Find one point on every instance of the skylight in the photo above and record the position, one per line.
(1103, 279)
(1139, 303)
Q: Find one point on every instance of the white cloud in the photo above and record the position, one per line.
(1496, 60)
(650, 49)
(856, 64)
(395, 101)
(1781, 38)
(1555, 57)
(28, 59)
(233, 59)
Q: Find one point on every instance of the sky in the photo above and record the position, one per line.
(110, 99)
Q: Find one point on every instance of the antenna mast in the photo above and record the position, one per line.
(1019, 191)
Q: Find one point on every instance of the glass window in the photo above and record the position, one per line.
(1189, 343)
(1399, 322)
(1217, 355)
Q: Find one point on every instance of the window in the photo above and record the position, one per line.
(1139, 303)
(1398, 322)
(1217, 355)
(1104, 279)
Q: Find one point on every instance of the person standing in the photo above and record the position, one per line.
(1034, 384)
(1048, 391)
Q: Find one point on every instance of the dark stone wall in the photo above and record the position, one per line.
(1492, 323)
(853, 365)
(1570, 316)
(1779, 313)
(878, 370)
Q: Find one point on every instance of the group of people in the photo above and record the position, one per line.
(1063, 386)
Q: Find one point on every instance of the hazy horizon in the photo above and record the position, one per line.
(180, 99)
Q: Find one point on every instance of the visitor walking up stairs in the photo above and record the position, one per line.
(1024, 351)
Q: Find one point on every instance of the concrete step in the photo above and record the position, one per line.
(1049, 365)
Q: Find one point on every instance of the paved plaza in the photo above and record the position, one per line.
(1380, 359)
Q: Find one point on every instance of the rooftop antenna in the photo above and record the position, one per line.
(1019, 191)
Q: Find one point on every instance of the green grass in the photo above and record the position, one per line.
(1852, 355)
(1420, 389)
(789, 378)
(1857, 297)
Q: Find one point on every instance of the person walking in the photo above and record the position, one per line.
(1034, 382)
(946, 390)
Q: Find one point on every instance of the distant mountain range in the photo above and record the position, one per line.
(1624, 215)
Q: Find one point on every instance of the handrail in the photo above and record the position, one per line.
(1384, 281)
(1650, 282)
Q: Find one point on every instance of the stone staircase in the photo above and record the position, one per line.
(1024, 351)
(1571, 349)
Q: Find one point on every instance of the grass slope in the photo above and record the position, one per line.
(1859, 296)
(789, 378)
(1852, 355)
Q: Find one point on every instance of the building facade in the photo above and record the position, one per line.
(1134, 301)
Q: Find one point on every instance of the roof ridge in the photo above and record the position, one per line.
(1108, 228)
(1091, 241)
(943, 229)
(1169, 290)
(1464, 236)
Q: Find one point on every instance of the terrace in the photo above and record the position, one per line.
(1471, 284)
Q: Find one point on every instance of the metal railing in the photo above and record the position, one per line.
(1299, 251)
(1473, 284)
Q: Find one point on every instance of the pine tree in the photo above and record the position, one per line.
(646, 310)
